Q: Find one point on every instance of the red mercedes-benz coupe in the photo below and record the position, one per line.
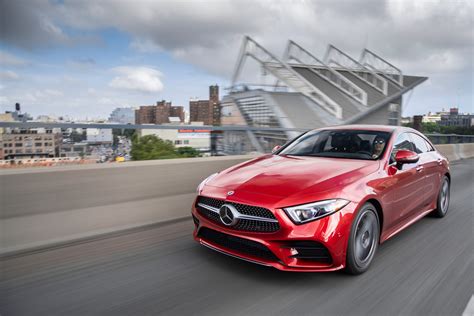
(325, 200)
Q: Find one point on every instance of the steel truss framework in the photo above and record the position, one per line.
(334, 56)
(296, 53)
(374, 61)
(285, 73)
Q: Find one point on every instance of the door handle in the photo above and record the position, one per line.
(419, 168)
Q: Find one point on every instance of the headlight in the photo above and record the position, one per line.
(309, 212)
(201, 185)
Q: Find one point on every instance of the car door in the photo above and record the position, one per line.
(429, 163)
(406, 192)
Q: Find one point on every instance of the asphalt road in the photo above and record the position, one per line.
(426, 270)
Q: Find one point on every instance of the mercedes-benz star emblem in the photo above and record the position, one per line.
(230, 193)
(228, 215)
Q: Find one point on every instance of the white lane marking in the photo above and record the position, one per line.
(469, 311)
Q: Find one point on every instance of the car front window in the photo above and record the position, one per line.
(352, 144)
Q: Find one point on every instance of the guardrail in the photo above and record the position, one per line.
(450, 138)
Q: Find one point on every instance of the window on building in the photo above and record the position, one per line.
(393, 114)
(186, 142)
(177, 142)
(18, 144)
(38, 144)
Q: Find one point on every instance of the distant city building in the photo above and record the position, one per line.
(21, 117)
(74, 150)
(123, 116)
(198, 139)
(406, 120)
(15, 116)
(434, 117)
(30, 143)
(6, 117)
(206, 111)
(454, 118)
(99, 135)
(159, 113)
(200, 111)
(215, 104)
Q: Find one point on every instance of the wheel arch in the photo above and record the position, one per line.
(379, 209)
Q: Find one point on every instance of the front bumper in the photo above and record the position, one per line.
(331, 232)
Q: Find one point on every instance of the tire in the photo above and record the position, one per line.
(363, 240)
(442, 202)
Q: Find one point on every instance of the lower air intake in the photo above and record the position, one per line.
(241, 245)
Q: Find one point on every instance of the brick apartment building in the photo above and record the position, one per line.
(159, 113)
(206, 111)
(29, 144)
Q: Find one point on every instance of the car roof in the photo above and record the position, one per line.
(364, 127)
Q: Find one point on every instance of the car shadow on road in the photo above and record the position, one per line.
(386, 261)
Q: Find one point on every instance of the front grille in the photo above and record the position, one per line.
(242, 208)
(243, 224)
(310, 250)
(241, 245)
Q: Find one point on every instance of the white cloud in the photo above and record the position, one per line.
(7, 59)
(142, 79)
(207, 33)
(8, 75)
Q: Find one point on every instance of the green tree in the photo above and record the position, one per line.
(187, 152)
(151, 147)
(435, 128)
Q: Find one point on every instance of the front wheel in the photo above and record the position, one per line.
(442, 204)
(363, 240)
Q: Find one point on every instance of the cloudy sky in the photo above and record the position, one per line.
(84, 58)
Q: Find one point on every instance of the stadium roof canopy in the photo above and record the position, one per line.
(312, 92)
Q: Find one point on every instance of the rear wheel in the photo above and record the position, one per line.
(363, 241)
(442, 204)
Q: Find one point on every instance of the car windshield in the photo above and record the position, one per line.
(352, 144)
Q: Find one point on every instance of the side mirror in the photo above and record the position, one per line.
(406, 156)
(276, 148)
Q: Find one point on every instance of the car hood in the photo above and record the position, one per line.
(284, 176)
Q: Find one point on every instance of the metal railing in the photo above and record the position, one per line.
(439, 139)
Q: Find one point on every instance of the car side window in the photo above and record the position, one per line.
(430, 147)
(402, 142)
(420, 144)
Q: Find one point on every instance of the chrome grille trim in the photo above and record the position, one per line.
(239, 215)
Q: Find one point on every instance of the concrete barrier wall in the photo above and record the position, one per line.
(457, 151)
(53, 205)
